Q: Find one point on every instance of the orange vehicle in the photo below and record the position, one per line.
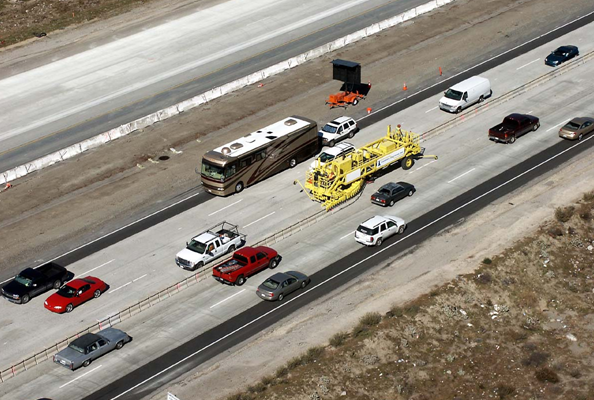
(352, 90)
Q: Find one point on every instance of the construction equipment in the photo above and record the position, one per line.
(352, 90)
(342, 178)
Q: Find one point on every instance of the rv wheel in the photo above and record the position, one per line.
(292, 163)
(239, 187)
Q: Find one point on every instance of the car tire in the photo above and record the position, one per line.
(512, 140)
(239, 187)
(481, 99)
(25, 299)
(273, 263)
(281, 297)
(410, 193)
(198, 266)
(351, 134)
(458, 110)
(231, 249)
(120, 344)
(332, 143)
(86, 363)
(57, 284)
(355, 102)
(292, 163)
(303, 284)
(407, 163)
(97, 293)
(581, 136)
(391, 203)
(536, 126)
(378, 242)
(240, 280)
(401, 229)
(69, 308)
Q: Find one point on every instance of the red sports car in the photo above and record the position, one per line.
(74, 293)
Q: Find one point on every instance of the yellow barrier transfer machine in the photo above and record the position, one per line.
(342, 178)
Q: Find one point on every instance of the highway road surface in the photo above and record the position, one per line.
(470, 173)
(66, 101)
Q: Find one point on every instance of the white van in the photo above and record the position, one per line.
(466, 93)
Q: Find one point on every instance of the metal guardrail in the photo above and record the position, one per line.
(203, 273)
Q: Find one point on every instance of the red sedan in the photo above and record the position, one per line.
(75, 293)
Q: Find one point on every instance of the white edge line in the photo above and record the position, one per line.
(347, 269)
(554, 126)
(259, 219)
(348, 234)
(460, 176)
(230, 297)
(362, 118)
(91, 270)
(424, 165)
(78, 377)
(224, 208)
(525, 65)
(434, 108)
(137, 279)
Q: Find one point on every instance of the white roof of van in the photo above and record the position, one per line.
(469, 83)
(256, 139)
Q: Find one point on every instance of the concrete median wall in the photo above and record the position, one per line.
(123, 130)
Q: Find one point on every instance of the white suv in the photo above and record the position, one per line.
(337, 130)
(375, 230)
(341, 149)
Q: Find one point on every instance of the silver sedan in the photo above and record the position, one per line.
(281, 284)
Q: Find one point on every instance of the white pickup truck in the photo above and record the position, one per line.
(209, 245)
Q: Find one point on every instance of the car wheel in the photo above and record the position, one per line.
(355, 102)
(401, 229)
(281, 297)
(458, 110)
(303, 284)
(86, 363)
(69, 307)
(25, 299)
(391, 203)
(410, 193)
(292, 163)
(198, 266)
(273, 263)
(536, 126)
(408, 163)
(351, 134)
(481, 99)
(231, 249)
(512, 139)
(581, 136)
(239, 187)
(240, 280)
(379, 241)
(97, 293)
(332, 143)
(57, 284)
(120, 344)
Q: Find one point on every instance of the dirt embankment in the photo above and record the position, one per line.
(520, 326)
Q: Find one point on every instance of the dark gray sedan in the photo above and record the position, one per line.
(85, 349)
(391, 192)
(281, 284)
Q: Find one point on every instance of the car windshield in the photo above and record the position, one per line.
(572, 125)
(76, 348)
(212, 171)
(23, 281)
(270, 284)
(329, 128)
(559, 52)
(196, 246)
(367, 231)
(67, 291)
(453, 94)
(325, 157)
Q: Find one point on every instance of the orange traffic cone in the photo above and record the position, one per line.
(369, 83)
(404, 86)
(260, 85)
(368, 110)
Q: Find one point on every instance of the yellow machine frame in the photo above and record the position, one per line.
(341, 179)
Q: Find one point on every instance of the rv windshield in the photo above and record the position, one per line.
(453, 94)
(212, 171)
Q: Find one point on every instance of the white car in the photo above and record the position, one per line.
(341, 149)
(337, 130)
(377, 229)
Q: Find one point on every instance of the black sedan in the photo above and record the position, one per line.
(562, 54)
(391, 192)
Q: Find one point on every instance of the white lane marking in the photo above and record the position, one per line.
(344, 271)
(476, 65)
(530, 112)
(434, 108)
(259, 219)
(460, 176)
(118, 288)
(224, 208)
(560, 123)
(91, 270)
(116, 231)
(230, 297)
(525, 65)
(348, 234)
(78, 377)
(423, 166)
(137, 279)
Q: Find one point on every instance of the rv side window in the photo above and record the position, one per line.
(260, 155)
(245, 162)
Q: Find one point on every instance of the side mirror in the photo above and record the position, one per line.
(187, 243)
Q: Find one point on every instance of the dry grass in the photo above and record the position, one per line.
(516, 327)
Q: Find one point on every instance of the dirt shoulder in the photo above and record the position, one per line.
(81, 199)
(499, 306)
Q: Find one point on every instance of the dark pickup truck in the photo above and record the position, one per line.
(245, 262)
(512, 127)
(32, 282)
